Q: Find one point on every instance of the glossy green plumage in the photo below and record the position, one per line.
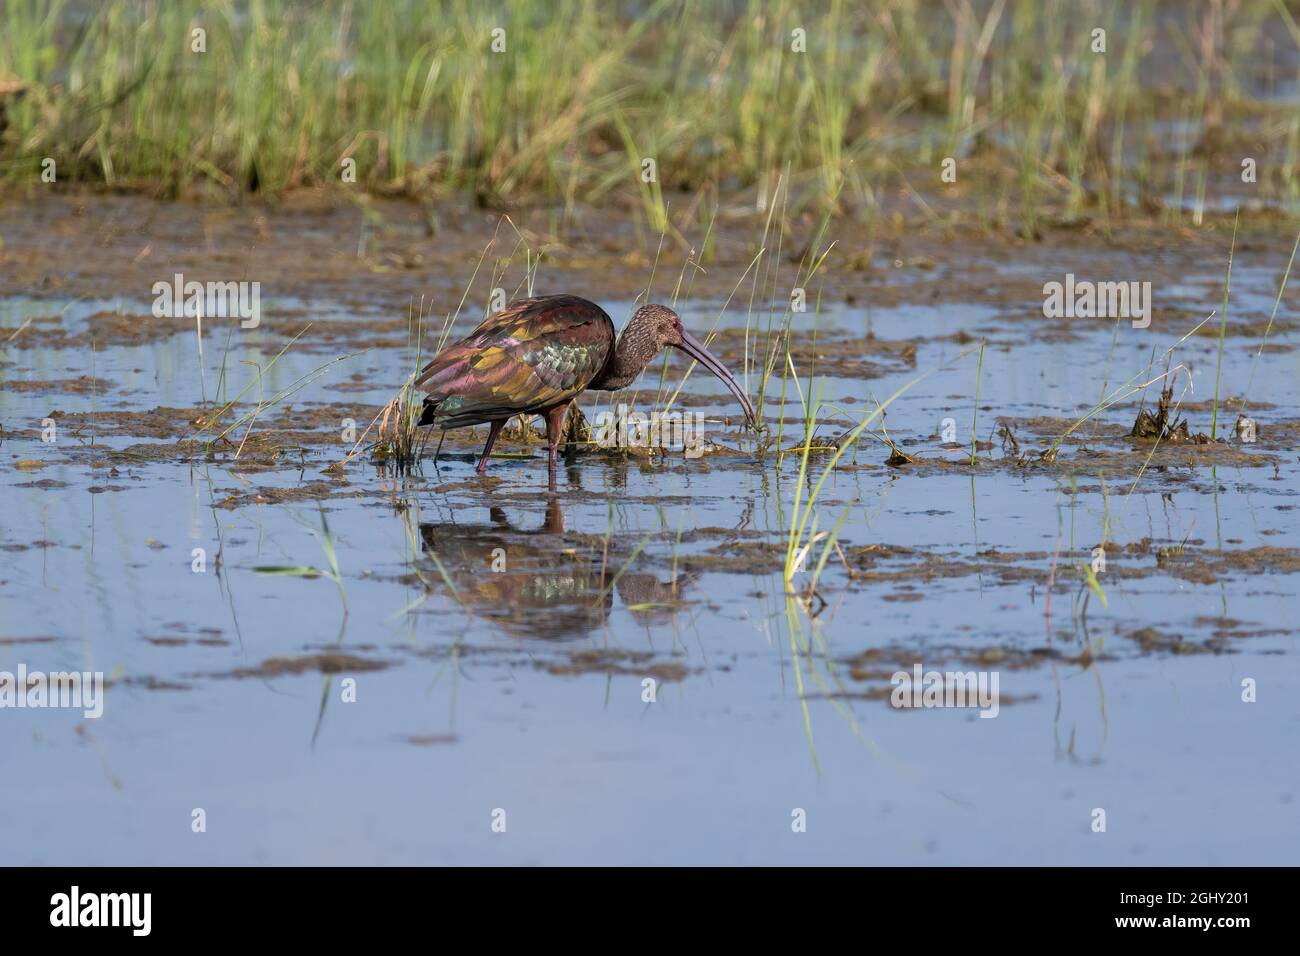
(535, 355)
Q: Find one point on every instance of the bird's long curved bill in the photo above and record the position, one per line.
(692, 347)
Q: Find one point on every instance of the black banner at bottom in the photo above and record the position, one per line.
(335, 904)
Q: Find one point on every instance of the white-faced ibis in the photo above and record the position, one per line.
(538, 354)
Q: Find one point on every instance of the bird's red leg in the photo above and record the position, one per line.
(554, 428)
(487, 449)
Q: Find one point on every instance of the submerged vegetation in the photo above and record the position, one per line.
(1047, 104)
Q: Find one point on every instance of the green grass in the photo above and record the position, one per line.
(1223, 330)
(975, 412)
(802, 534)
(1281, 289)
(398, 437)
(410, 90)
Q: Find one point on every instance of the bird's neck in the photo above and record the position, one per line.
(627, 362)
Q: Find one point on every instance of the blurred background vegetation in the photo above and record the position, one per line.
(1038, 120)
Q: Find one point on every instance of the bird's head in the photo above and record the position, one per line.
(659, 324)
(662, 326)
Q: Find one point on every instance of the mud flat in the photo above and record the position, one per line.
(272, 602)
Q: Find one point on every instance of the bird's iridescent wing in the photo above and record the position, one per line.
(536, 354)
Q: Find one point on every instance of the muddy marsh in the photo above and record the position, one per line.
(1011, 540)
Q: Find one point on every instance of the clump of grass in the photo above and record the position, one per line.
(1223, 329)
(398, 437)
(427, 98)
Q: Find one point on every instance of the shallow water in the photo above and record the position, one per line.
(522, 689)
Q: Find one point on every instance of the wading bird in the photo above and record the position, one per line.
(539, 354)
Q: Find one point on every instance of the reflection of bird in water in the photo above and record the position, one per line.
(542, 588)
(651, 600)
